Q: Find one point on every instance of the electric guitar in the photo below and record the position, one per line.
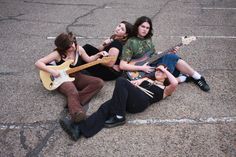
(51, 83)
(149, 58)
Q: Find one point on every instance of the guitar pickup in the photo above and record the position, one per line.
(52, 78)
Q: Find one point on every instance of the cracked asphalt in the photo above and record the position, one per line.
(189, 123)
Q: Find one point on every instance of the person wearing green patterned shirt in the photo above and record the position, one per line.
(137, 47)
(140, 46)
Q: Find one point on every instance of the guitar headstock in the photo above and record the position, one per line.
(188, 39)
(107, 59)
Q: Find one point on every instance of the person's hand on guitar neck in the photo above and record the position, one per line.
(175, 49)
(102, 54)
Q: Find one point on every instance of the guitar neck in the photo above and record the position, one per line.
(82, 67)
(154, 58)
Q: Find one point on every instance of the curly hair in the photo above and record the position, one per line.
(140, 21)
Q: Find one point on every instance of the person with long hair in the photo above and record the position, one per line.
(141, 44)
(113, 46)
(128, 96)
(84, 87)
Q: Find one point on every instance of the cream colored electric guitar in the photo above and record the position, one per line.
(51, 83)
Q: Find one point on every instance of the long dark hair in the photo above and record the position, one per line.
(140, 21)
(129, 31)
(63, 42)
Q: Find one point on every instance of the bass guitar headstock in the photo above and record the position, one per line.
(188, 39)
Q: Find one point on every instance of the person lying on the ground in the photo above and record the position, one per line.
(128, 96)
(140, 46)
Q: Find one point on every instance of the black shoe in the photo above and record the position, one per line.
(202, 84)
(70, 128)
(189, 79)
(114, 121)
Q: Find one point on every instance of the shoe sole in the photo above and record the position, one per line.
(202, 88)
(114, 125)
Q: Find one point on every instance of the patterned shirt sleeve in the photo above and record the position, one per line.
(127, 52)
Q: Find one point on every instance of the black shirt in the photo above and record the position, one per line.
(115, 44)
(158, 92)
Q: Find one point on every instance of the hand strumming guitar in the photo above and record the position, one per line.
(146, 68)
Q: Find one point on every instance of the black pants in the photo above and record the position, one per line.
(103, 72)
(126, 97)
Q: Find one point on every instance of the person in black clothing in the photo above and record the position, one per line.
(113, 46)
(127, 97)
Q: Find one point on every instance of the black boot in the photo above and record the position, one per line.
(70, 128)
(114, 121)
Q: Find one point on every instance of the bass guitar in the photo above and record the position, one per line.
(149, 58)
(51, 83)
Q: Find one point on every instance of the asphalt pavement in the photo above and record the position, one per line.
(190, 123)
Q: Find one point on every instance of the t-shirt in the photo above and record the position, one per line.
(115, 44)
(137, 47)
(158, 91)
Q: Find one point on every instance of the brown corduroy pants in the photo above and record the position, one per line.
(80, 91)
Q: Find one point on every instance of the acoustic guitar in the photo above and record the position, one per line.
(51, 83)
(149, 58)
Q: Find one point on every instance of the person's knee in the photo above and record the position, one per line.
(181, 61)
(72, 92)
(99, 83)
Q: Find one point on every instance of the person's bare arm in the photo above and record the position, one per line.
(124, 65)
(88, 58)
(114, 52)
(41, 63)
(173, 83)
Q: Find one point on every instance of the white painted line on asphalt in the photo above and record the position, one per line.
(213, 8)
(210, 120)
(205, 36)
(199, 36)
(152, 121)
(15, 126)
(52, 38)
(220, 37)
